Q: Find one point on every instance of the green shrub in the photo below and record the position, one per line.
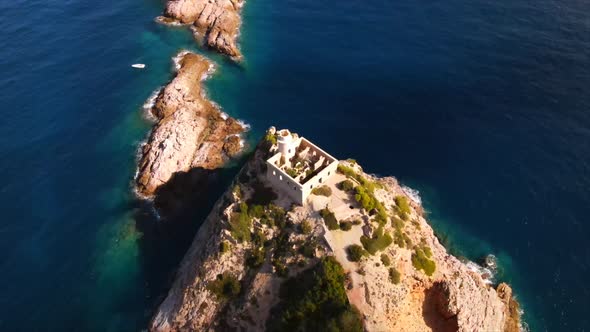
(385, 260)
(421, 261)
(378, 242)
(291, 172)
(240, 224)
(256, 211)
(403, 205)
(346, 185)
(280, 268)
(397, 223)
(243, 207)
(394, 275)
(255, 257)
(225, 287)
(345, 225)
(365, 199)
(427, 251)
(329, 219)
(306, 227)
(401, 239)
(322, 191)
(381, 213)
(308, 249)
(237, 191)
(224, 247)
(315, 300)
(270, 138)
(398, 238)
(355, 252)
(348, 321)
(278, 214)
(258, 238)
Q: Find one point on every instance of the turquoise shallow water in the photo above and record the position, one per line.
(482, 106)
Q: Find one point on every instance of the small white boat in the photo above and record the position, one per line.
(138, 65)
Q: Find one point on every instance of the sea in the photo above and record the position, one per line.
(482, 107)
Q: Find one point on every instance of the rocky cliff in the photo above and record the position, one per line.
(214, 22)
(190, 133)
(396, 272)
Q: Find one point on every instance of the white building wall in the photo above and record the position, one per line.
(320, 179)
(283, 182)
(279, 180)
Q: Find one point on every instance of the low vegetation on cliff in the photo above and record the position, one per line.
(378, 242)
(316, 300)
(421, 259)
(281, 267)
(225, 287)
(329, 219)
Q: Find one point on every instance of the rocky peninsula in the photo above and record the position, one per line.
(358, 255)
(216, 23)
(191, 132)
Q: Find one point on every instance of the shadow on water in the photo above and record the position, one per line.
(169, 224)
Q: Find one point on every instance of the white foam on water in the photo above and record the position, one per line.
(149, 104)
(172, 23)
(223, 115)
(209, 71)
(178, 58)
(413, 194)
(244, 125)
(486, 274)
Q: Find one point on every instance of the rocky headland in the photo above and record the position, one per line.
(214, 22)
(260, 263)
(191, 132)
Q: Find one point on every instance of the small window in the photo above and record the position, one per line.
(310, 186)
(328, 172)
(274, 172)
(320, 180)
(289, 151)
(294, 188)
(281, 177)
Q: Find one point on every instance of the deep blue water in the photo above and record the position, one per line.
(481, 105)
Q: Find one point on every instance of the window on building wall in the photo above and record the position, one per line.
(294, 188)
(289, 151)
(281, 177)
(328, 172)
(320, 180)
(310, 186)
(274, 172)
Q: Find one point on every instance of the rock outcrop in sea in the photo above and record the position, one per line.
(398, 277)
(214, 22)
(191, 132)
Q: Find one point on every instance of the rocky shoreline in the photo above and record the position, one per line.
(216, 23)
(446, 297)
(190, 133)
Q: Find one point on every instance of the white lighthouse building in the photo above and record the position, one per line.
(298, 166)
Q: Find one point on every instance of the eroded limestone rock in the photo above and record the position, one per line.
(190, 131)
(215, 22)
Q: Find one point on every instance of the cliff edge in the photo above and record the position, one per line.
(358, 255)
